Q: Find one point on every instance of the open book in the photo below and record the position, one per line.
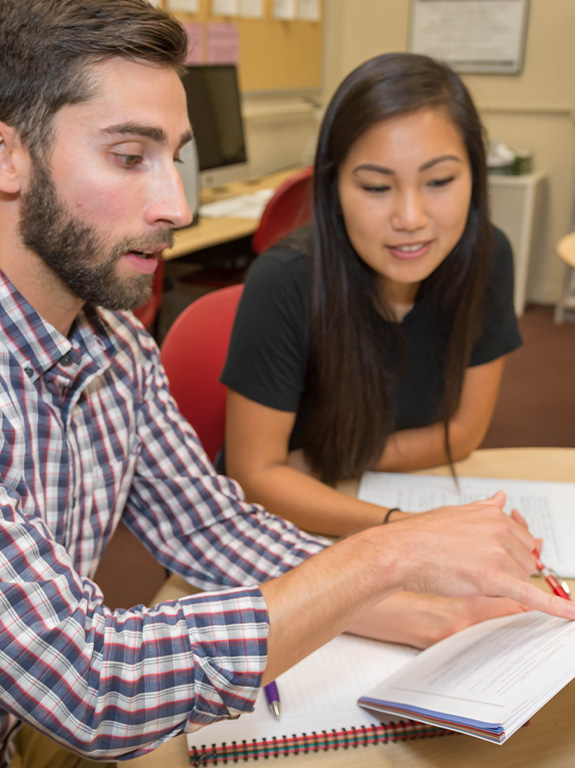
(319, 709)
(548, 508)
(486, 681)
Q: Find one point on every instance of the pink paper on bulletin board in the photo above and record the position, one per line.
(195, 33)
(223, 44)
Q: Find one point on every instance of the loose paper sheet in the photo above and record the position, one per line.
(188, 6)
(195, 33)
(309, 10)
(284, 9)
(223, 44)
(225, 7)
(549, 508)
(252, 9)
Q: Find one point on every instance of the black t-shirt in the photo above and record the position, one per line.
(267, 358)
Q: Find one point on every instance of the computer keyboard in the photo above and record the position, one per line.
(247, 206)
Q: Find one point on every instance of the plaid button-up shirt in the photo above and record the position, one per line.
(89, 435)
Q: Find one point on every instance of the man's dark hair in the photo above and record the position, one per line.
(46, 47)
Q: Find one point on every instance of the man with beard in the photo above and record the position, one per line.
(92, 121)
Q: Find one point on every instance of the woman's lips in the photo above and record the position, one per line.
(409, 251)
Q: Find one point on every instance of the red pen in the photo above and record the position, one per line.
(562, 590)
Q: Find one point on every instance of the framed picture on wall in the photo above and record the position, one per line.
(483, 36)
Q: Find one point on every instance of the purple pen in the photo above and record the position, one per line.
(273, 699)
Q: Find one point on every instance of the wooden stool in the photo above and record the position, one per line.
(566, 251)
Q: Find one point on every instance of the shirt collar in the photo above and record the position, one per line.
(36, 344)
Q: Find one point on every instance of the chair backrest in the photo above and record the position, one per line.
(147, 312)
(289, 207)
(193, 354)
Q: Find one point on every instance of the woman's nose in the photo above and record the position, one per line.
(409, 214)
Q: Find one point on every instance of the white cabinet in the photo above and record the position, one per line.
(514, 204)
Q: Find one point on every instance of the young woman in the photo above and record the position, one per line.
(375, 338)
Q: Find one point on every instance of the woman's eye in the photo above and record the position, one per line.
(375, 188)
(441, 182)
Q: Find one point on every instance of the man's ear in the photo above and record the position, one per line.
(14, 160)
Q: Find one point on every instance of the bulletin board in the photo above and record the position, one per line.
(275, 55)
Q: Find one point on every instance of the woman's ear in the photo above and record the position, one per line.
(14, 160)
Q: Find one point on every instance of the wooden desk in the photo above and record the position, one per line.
(210, 232)
(547, 742)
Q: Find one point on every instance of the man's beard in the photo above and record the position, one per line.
(73, 250)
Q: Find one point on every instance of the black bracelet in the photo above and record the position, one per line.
(388, 514)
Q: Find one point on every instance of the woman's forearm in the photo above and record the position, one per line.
(408, 450)
(309, 503)
(412, 449)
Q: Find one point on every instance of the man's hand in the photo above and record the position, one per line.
(423, 620)
(472, 550)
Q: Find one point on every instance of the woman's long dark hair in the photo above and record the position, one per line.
(352, 416)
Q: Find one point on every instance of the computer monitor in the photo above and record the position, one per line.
(214, 108)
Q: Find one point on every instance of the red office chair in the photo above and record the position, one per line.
(148, 312)
(290, 207)
(193, 354)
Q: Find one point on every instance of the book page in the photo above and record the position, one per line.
(548, 508)
(499, 672)
(319, 693)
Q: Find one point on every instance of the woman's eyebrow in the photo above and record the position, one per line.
(440, 159)
(390, 172)
(374, 167)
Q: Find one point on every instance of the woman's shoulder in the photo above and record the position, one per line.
(501, 272)
(281, 259)
(283, 267)
(500, 246)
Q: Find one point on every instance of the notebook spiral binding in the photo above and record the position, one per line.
(235, 752)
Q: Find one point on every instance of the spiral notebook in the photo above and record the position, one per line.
(319, 709)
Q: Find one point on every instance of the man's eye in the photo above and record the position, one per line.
(129, 161)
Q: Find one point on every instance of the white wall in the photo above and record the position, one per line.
(535, 109)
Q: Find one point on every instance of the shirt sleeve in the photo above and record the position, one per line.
(500, 332)
(194, 520)
(116, 684)
(267, 356)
